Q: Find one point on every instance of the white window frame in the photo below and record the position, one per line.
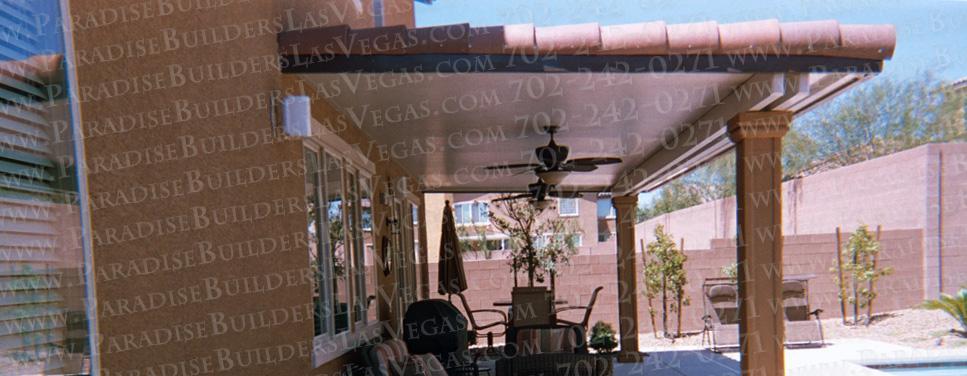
(328, 346)
(473, 211)
(577, 208)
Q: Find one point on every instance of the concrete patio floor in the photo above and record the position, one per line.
(839, 357)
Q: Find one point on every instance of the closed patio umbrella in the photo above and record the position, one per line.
(452, 279)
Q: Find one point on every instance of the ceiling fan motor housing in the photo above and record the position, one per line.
(552, 155)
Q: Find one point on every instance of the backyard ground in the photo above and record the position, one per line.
(915, 328)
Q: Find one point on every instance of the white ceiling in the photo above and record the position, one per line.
(419, 120)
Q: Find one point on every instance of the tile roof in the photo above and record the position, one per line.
(763, 37)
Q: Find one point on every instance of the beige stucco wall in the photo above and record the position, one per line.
(229, 249)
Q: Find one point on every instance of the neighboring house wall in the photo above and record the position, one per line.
(587, 222)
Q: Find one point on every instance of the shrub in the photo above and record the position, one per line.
(955, 306)
(602, 337)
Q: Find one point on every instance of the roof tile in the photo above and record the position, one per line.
(754, 36)
(809, 36)
(820, 38)
(646, 38)
(578, 39)
(693, 37)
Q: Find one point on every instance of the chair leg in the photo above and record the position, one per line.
(490, 340)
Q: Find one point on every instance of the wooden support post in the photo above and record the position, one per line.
(758, 139)
(869, 304)
(839, 269)
(626, 209)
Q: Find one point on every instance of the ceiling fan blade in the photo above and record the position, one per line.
(594, 161)
(565, 194)
(512, 166)
(579, 167)
(511, 198)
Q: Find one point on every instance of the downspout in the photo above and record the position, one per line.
(940, 209)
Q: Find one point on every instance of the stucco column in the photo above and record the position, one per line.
(758, 139)
(626, 208)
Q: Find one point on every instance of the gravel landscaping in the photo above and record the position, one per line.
(909, 327)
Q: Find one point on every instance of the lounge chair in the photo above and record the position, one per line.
(721, 318)
(721, 298)
(803, 326)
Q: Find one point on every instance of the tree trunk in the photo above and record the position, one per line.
(856, 296)
(664, 306)
(648, 292)
(680, 295)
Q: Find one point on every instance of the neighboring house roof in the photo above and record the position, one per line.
(811, 38)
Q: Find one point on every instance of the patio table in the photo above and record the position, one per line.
(508, 303)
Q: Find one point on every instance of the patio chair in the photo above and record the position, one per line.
(587, 310)
(532, 306)
(551, 350)
(478, 328)
(803, 326)
(721, 302)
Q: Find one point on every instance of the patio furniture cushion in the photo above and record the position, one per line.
(423, 365)
(724, 303)
(391, 357)
(794, 300)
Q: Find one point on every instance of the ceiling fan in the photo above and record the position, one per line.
(553, 164)
(538, 193)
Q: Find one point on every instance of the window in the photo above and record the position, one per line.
(378, 13)
(567, 207)
(338, 199)
(605, 208)
(44, 261)
(415, 213)
(471, 213)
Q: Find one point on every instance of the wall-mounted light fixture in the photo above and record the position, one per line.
(296, 116)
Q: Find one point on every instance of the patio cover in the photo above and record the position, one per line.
(445, 101)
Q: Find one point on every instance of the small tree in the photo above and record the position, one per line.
(652, 274)
(860, 272)
(559, 248)
(669, 261)
(521, 222)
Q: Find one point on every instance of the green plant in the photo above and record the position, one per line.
(603, 338)
(666, 274)
(953, 305)
(860, 272)
(520, 221)
(731, 271)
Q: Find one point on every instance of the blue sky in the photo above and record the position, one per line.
(931, 35)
